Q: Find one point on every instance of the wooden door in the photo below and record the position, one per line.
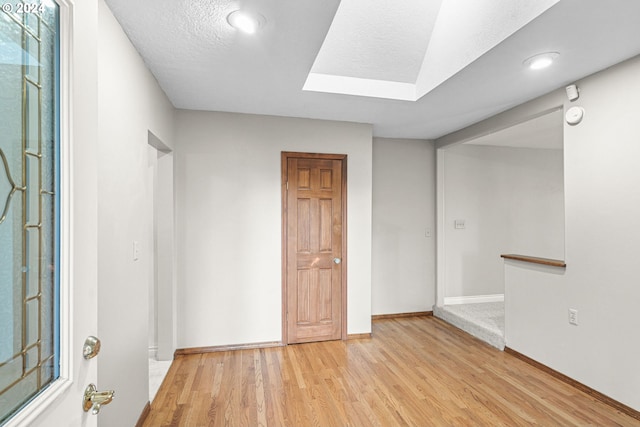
(314, 201)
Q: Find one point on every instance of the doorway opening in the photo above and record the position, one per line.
(500, 193)
(162, 282)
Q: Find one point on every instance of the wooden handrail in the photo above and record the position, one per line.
(536, 260)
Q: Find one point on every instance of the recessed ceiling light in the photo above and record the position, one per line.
(541, 60)
(244, 21)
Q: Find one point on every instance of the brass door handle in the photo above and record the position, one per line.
(94, 399)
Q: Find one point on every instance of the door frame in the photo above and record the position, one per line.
(164, 275)
(285, 156)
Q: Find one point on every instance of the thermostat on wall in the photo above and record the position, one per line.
(574, 115)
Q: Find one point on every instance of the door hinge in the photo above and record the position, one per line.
(287, 185)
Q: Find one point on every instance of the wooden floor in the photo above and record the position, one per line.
(414, 372)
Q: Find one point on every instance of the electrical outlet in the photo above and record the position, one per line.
(573, 316)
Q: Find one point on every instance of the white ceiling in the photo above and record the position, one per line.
(368, 61)
(412, 46)
(370, 45)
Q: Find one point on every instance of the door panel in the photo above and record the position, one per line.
(61, 403)
(313, 216)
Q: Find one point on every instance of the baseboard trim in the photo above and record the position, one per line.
(153, 352)
(578, 385)
(215, 349)
(401, 315)
(144, 415)
(474, 299)
(359, 336)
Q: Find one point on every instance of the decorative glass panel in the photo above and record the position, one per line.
(29, 202)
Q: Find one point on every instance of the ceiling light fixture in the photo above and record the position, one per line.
(244, 21)
(541, 60)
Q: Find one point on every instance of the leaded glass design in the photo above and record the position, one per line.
(29, 202)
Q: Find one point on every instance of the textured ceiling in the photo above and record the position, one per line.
(467, 29)
(386, 45)
(203, 64)
(417, 42)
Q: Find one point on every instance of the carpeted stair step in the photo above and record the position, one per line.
(487, 326)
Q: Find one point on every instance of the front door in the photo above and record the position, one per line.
(48, 211)
(314, 226)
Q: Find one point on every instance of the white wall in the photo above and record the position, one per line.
(229, 214)
(602, 204)
(403, 258)
(511, 200)
(602, 240)
(130, 105)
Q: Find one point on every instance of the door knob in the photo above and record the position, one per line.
(337, 260)
(94, 399)
(91, 347)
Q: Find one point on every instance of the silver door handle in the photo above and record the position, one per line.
(337, 260)
(91, 347)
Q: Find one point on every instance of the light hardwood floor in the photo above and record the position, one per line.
(413, 372)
